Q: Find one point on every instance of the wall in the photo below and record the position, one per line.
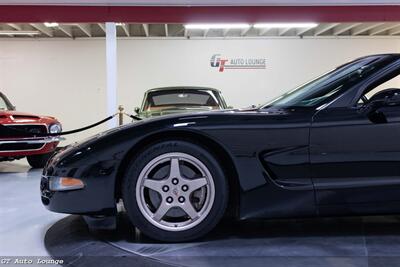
(66, 78)
(290, 62)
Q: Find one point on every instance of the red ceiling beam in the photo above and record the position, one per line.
(248, 14)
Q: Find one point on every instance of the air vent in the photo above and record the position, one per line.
(25, 117)
(21, 129)
(19, 147)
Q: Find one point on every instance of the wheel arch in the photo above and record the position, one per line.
(223, 156)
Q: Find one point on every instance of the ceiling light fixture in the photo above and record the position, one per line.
(119, 24)
(286, 25)
(51, 24)
(216, 26)
(19, 32)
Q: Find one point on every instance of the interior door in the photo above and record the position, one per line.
(355, 160)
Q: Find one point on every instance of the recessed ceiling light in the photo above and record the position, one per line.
(286, 25)
(51, 24)
(216, 26)
(19, 32)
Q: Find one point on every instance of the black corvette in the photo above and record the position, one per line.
(329, 147)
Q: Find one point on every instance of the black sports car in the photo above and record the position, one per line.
(329, 147)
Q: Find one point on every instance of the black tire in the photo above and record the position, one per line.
(38, 161)
(142, 159)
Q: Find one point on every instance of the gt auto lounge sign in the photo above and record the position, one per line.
(222, 64)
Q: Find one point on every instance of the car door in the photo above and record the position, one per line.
(355, 160)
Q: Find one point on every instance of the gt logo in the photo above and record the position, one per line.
(216, 62)
(5, 261)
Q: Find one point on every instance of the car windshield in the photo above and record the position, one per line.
(332, 83)
(4, 105)
(181, 99)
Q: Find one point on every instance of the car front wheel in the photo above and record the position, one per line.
(175, 191)
(38, 161)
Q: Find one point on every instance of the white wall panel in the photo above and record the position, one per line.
(147, 64)
(66, 78)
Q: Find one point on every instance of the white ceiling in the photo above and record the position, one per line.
(201, 2)
(92, 30)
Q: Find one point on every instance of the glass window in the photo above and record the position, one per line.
(393, 83)
(332, 83)
(3, 104)
(180, 98)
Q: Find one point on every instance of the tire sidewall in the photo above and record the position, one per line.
(39, 161)
(144, 157)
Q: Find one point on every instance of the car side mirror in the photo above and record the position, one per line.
(137, 110)
(385, 98)
(371, 109)
(394, 100)
(376, 104)
(388, 101)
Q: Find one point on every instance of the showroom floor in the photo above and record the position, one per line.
(22, 211)
(363, 241)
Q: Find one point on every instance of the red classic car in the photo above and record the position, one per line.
(16, 144)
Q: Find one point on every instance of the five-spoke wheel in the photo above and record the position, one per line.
(175, 191)
(184, 191)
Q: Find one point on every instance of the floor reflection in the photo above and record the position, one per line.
(357, 241)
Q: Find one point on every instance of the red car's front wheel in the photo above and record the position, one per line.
(39, 161)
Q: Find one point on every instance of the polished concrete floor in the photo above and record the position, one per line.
(23, 219)
(356, 241)
(28, 229)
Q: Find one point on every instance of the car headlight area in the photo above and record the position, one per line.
(65, 183)
(55, 128)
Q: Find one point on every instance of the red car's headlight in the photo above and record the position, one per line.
(55, 128)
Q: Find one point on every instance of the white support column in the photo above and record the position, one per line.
(111, 63)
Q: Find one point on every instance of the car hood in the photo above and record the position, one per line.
(121, 138)
(231, 113)
(10, 116)
(175, 116)
(215, 118)
(156, 123)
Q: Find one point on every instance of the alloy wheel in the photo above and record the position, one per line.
(175, 191)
